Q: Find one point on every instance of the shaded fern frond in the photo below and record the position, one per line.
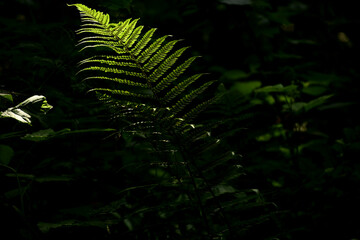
(199, 108)
(183, 102)
(180, 88)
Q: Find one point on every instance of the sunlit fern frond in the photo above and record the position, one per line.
(142, 79)
(137, 67)
(137, 58)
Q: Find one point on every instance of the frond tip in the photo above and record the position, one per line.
(136, 62)
(92, 15)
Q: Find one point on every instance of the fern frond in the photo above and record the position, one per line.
(98, 57)
(187, 99)
(178, 89)
(92, 15)
(166, 65)
(106, 45)
(128, 32)
(122, 92)
(141, 81)
(174, 75)
(98, 42)
(159, 56)
(143, 42)
(133, 38)
(111, 63)
(121, 28)
(146, 54)
(83, 40)
(113, 70)
(120, 81)
(199, 108)
(98, 31)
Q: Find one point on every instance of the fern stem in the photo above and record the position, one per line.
(186, 158)
(190, 160)
(19, 187)
(207, 185)
(201, 207)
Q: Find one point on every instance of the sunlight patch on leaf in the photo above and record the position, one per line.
(26, 109)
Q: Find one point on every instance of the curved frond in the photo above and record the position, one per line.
(92, 15)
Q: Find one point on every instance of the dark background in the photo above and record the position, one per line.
(290, 74)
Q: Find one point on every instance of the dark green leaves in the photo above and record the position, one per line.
(6, 154)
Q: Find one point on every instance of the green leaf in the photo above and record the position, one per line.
(299, 107)
(160, 55)
(245, 88)
(314, 90)
(6, 154)
(279, 88)
(143, 42)
(47, 134)
(11, 135)
(127, 33)
(173, 75)
(111, 63)
(17, 114)
(237, 2)
(316, 102)
(223, 189)
(199, 108)
(235, 75)
(178, 89)
(24, 110)
(41, 135)
(146, 54)
(158, 72)
(6, 96)
(92, 130)
(187, 99)
(282, 55)
(120, 81)
(124, 93)
(93, 14)
(114, 70)
(134, 36)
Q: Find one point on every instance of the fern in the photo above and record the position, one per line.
(141, 79)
